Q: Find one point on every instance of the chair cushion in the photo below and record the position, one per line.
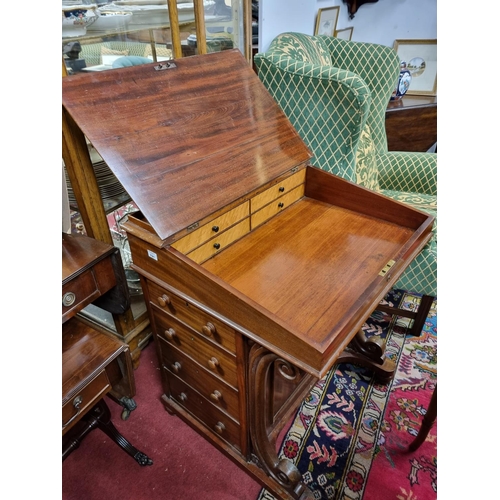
(366, 161)
(125, 61)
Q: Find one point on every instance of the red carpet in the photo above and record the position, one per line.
(185, 466)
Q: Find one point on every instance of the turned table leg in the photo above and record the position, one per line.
(427, 422)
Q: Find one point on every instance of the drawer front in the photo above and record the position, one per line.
(219, 362)
(221, 241)
(217, 421)
(82, 288)
(73, 410)
(211, 387)
(211, 328)
(213, 228)
(277, 206)
(279, 189)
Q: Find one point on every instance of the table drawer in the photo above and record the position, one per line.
(219, 362)
(82, 289)
(279, 189)
(219, 242)
(77, 406)
(213, 228)
(211, 387)
(210, 327)
(276, 206)
(216, 420)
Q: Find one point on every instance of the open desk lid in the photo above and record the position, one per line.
(186, 140)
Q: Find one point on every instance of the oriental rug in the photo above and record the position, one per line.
(350, 437)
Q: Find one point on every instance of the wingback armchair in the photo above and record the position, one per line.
(335, 93)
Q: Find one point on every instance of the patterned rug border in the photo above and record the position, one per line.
(353, 482)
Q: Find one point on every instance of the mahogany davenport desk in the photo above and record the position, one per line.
(257, 268)
(93, 364)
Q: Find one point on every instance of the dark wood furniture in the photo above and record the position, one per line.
(258, 269)
(93, 364)
(354, 5)
(411, 123)
(427, 423)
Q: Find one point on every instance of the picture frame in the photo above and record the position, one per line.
(420, 57)
(326, 21)
(344, 34)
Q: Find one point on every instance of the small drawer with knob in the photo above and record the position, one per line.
(78, 293)
(219, 242)
(277, 206)
(215, 227)
(208, 385)
(217, 361)
(279, 189)
(78, 404)
(212, 417)
(208, 326)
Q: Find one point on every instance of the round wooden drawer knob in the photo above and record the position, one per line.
(170, 334)
(216, 396)
(208, 330)
(176, 367)
(220, 428)
(164, 300)
(213, 363)
(183, 397)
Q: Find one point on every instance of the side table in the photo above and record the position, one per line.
(411, 123)
(93, 364)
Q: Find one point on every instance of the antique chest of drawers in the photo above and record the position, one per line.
(257, 268)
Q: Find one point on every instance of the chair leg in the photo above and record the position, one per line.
(418, 317)
(427, 422)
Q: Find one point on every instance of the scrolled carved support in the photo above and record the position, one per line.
(263, 365)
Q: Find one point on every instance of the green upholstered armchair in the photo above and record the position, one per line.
(335, 93)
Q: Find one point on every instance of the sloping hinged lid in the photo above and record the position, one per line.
(188, 140)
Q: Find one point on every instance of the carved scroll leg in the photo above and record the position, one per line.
(370, 353)
(282, 471)
(107, 426)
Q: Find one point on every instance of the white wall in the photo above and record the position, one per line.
(381, 22)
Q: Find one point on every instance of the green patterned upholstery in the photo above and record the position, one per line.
(335, 93)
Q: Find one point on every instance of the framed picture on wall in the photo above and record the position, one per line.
(326, 21)
(344, 34)
(420, 58)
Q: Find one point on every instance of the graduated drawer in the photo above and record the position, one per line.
(279, 189)
(213, 228)
(277, 205)
(219, 362)
(213, 418)
(84, 400)
(211, 387)
(219, 242)
(200, 321)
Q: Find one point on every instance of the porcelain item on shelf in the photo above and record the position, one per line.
(77, 15)
(403, 83)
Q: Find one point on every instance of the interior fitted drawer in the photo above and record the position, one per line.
(216, 420)
(81, 289)
(211, 387)
(208, 355)
(277, 205)
(202, 322)
(279, 189)
(77, 406)
(221, 241)
(213, 228)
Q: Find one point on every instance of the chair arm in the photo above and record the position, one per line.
(327, 106)
(409, 172)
